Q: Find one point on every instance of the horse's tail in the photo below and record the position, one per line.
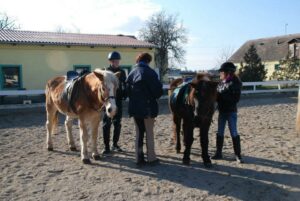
(49, 105)
(174, 84)
(55, 123)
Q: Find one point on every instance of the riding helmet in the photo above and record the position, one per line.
(114, 56)
(227, 67)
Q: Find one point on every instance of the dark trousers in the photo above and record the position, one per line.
(116, 121)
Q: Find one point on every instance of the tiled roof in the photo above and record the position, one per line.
(52, 38)
(269, 49)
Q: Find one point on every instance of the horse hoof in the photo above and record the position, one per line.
(186, 161)
(50, 148)
(97, 157)
(73, 149)
(86, 161)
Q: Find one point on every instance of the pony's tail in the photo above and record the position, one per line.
(55, 123)
(298, 114)
(174, 84)
(49, 102)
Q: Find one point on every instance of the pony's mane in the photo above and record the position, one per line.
(203, 76)
(108, 76)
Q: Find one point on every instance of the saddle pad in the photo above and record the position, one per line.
(180, 94)
(71, 75)
(71, 88)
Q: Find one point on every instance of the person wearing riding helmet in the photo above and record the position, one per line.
(229, 92)
(114, 60)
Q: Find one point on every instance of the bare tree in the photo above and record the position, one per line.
(7, 22)
(224, 55)
(168, 35)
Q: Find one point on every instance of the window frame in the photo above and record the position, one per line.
(19, 66)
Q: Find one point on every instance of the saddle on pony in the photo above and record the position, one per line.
(71, 88)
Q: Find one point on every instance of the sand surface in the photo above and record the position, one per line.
(270, 147)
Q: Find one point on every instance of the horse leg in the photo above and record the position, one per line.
(68, 126)
(83, 142)
(204, 144)
(176, 132)
(52, 116)
(95, 125)
(188, 140)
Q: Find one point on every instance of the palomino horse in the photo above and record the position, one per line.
(194, 103)
(93, 92)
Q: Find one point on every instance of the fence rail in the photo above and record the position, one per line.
(257, 87)
(261, 87)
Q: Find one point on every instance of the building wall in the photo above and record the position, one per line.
(269, 65)
(41, 63)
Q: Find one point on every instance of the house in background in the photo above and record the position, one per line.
(271, 50)
(28, 59)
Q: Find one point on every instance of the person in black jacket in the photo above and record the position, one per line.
(144, 88)
(229, 92)
(114, 60)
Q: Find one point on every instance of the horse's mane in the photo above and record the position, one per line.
(108, 76)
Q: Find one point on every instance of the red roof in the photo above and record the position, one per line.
(52, 38)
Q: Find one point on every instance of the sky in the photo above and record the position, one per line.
(214, 27)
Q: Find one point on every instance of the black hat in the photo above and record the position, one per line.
(114, 56)
(227, 67)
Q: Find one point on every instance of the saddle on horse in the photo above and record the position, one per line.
(71, 90)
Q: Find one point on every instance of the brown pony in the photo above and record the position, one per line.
(94, 92)
(194, 103)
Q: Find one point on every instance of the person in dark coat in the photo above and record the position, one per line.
(114, 60)
(144, 88)
(229, 92)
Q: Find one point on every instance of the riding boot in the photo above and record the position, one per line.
(116, 137)
(219, 143)
(237, 148)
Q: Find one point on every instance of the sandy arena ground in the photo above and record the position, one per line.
(270, 146)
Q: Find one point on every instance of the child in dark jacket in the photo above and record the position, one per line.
(229, 92)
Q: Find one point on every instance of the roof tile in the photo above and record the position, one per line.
(53, 38)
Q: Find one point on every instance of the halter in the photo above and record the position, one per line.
(109, 97)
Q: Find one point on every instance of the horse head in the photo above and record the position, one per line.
(107, 90)
(203, 95)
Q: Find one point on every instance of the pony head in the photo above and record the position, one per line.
(203, 95)
(107, 90)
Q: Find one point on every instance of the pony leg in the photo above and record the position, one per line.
(68, 126)
(83, 142)
(188, 130)
(52, 116)
(204, 144)
(176, 132)
(95, 125)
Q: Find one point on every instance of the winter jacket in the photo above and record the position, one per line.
(143, 88)
(229, 92)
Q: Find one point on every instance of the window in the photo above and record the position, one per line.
(10, 77)
(80, 68)
(277, 67)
